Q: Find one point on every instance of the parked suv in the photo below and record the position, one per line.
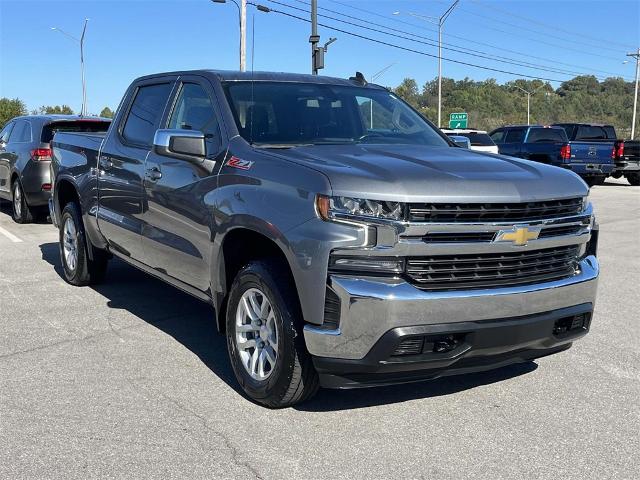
(25, 155)
(337, 248)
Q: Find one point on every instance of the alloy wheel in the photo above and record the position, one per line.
(70, 244)
(256, 334)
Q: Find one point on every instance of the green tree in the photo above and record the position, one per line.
(55, 109)
(11, 108)
(408, 90)
(106, 112)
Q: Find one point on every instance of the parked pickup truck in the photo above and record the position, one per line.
(542, 144)
(629, 167)
(595, 150)
(336, 249)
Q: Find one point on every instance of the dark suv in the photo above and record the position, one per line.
(25, 155)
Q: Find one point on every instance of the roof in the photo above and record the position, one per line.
(462, 130)
(524, 125)
(60, 117)
(584, 124)
(236, 76)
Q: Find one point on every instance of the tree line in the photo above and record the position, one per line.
(15, 107)
(490, 105)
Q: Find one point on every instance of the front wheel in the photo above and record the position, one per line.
(79, 269)
(264, 337)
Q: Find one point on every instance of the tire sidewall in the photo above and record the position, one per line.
(23, 204)
(257, 275)
(71, 212)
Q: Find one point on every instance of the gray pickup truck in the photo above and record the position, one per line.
(342, 240)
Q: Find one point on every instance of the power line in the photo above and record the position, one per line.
(546, 25)
(462, 50)
(407, 49)
(386, 17)
(520, 27)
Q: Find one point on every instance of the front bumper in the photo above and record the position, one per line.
(370, 308)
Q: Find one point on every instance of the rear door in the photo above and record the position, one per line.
(512, 141)
(177, 219)
(121, 165)
(5, 171)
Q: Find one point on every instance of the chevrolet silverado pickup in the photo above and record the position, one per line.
(538, 143)
(595, 152)
(629, 166)
(342, 240)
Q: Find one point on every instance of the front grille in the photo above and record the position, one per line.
(444, 237)
(559, 231)
(493, 212)
(455, 272)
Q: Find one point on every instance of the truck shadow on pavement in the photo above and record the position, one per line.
(191, 322)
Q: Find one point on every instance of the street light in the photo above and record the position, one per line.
(83, 110)
(242, 19)
(635, 55)
(439, 21)
(373, 78)
(528, 98)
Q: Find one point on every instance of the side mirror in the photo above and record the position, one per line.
(461, 141)
(184, 144)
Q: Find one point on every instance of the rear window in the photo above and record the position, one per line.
(547, 135)
(591, 132)
(48, 131)
(477, 139)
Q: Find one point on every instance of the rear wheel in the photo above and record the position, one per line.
(634, 178)
(264, 337)
(595, 180)
(616, 174)
(21, 213)
(78, 268)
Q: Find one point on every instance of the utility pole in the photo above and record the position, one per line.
(314, 39)
(635, 55)
(528, 99)
(440, 22)
(242, 19)
(83, 109)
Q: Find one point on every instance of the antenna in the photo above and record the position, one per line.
(253, 55)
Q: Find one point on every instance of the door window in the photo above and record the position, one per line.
(145, 113)
(194, 111)
(514, 135)
(497, 136)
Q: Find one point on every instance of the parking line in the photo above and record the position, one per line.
(10, 236)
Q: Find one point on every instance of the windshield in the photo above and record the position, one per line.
(287, 114)
(477, 139)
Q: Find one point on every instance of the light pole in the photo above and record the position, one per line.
(242, 19)
(635, 55)
(439, 21)
(373, 78)
(83, 110)
(528, 98)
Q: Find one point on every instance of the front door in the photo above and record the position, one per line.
(121, 167)
(177, 219)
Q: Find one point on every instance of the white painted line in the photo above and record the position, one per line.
(10, 236)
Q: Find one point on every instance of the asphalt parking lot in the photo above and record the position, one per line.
(130, 380)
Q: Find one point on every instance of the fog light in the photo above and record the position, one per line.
(367, 264)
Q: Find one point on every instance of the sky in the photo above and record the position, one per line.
(127, 39)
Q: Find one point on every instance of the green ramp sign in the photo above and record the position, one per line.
(458, 120)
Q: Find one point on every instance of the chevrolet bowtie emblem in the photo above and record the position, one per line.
(518, 235)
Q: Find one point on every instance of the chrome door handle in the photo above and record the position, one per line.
(154, 174)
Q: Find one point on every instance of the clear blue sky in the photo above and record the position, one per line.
(126, 39)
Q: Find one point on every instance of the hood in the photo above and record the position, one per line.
(410, 173)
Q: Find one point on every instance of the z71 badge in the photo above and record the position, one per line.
(239, 163)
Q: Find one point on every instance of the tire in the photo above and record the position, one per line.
(20, 211)
(289, 379)
(634, 179)
(79, 270)
(616, 175)
(594, 180)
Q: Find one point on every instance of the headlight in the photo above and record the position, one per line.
(336, 207)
